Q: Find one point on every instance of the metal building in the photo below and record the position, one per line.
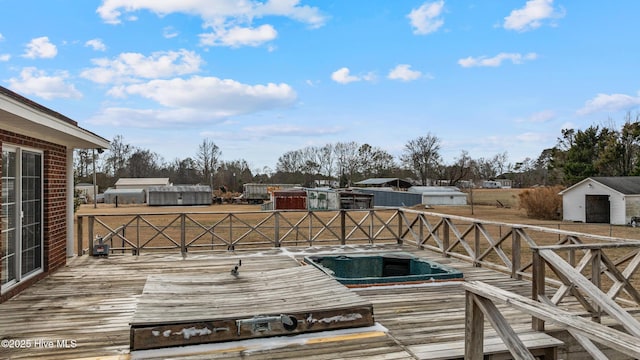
(440, 195)
(356, 200)
(323, 199)
(385, 197)
(291, 199)
(124, 196)
(179, 195)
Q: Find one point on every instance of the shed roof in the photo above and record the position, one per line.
(385, 181)
(23, 116)
(627, 185)
(435, 189)
(180, 188)
(124, 191)
(142, 181)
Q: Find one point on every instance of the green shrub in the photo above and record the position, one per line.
(542, 203)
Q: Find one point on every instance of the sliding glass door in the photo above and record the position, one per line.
(21, 214)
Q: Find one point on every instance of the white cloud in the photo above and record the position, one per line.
(4, 57)
(426, 19)
(531, 15)
(40, 48)
(343, 76)
(169, 32)
(36, 82)
(96, 44)
(610, 102)
(131, 67)
(229, 19)
(496, 60)
(239, 36)
(403, 72)
(542, 116)
(195, 100)
(288, 130)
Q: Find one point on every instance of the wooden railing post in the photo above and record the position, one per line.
(276, 230)
(371, 218)
(473, 329)
(445, 236)
(91, 235)
(399, 238)
(596, 262)
(516, 254)
(183, 234)
(537, 286)
(79, 234)
(136, 251)
(343, 229)
(476, 245)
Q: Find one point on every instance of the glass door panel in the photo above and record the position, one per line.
(21, 215)
(9, 216)
(31, 212)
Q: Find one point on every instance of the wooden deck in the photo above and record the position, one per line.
(185, 310)
(85, 310)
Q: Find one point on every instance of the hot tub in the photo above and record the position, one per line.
(360, 270)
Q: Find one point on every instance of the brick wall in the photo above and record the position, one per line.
(54, 205)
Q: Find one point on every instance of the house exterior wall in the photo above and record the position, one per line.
(573, 202)
(54, 205)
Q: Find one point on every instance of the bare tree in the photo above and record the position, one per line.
(118, 156)
(290, 162)
(346, 161)
(326, 159)
(82, 162)
(143, 163)
(422, 155)
(208, 156)
(374, 161)
(461, 169)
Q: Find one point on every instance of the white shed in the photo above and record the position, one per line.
(323, 199)
(612, 200)
(440, 195)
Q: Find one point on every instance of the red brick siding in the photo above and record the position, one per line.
(54, 205)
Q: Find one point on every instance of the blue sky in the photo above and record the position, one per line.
(260, 78)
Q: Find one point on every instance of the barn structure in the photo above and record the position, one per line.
(612, 200)
(389, 198)
(394, 183)
(125, 196)
(36, 212)
(179, 195)
(440, 195)
(323, 199)
(289, 199)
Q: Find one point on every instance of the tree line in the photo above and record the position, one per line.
(578, 154)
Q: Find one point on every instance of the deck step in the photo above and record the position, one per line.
(538, 343)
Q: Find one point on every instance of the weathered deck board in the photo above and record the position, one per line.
(92, 301)
(183, 310)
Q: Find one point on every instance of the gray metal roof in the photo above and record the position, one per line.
(628, 185)
(384, 181)
(180, 188)
(142, 181)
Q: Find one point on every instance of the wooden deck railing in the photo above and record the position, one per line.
(596, 273)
